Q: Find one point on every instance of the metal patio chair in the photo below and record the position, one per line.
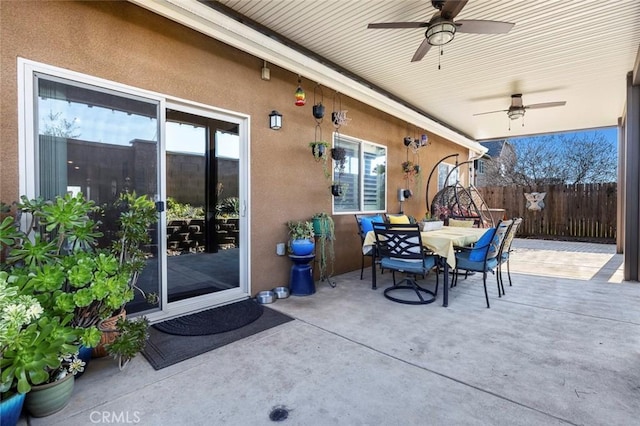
(400, 249)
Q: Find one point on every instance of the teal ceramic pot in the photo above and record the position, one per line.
(10, 409)
(44, 400)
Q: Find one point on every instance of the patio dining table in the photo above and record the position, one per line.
(441, 242)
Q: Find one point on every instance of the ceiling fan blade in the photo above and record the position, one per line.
(474, 26)
(451, 8)
(421, 51)
(546, 105)
(383, 25)
(491, 112)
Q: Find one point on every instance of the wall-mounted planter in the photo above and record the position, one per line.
(318, 111)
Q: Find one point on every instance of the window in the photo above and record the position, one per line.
(445, 175)
(362, 178)
(93, 140)
(480, 169)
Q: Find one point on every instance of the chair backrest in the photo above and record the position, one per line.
(495, 249)
(365, 221)
(508, 240)
(488, 246)
(398, 241)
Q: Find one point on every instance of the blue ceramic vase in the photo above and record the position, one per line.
(10, 409)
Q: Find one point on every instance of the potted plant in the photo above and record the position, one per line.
(430, 223)
(38, 349)
(301, 242)
(61, 264)
(338, 189)
(319, 149)
(324, 230)
(412, 173)
(130, 340)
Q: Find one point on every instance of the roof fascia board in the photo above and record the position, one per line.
(212, 23)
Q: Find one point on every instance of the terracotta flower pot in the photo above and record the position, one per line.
(109, 334)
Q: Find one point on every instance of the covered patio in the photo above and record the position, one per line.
(560, 347)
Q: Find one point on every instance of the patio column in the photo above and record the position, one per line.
(631, 221)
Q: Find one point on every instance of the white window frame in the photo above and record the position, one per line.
(360, 143)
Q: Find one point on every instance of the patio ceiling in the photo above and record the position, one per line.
(558, 50)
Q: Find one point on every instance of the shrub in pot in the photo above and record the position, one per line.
(301, 242)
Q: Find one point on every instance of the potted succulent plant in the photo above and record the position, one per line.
(430, 223)
(131, 338)
(38, 349)
(57, 258)
(301, 242)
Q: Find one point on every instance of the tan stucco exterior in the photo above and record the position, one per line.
(124, 43)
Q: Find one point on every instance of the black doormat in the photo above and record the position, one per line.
(163, 350)
(213, 321)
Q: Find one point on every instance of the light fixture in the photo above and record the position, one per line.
(300, 95)
(515, 113)
(440, 32)
(275, 120)
(266, 72)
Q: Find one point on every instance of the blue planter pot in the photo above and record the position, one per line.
(10, 409)
(302, 247)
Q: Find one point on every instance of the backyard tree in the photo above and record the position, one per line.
(563, 158)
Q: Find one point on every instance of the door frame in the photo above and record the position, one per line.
(26, 69)
(198, 303)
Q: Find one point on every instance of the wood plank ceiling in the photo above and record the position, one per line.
(558, 50)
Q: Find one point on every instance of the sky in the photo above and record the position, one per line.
(609, 133)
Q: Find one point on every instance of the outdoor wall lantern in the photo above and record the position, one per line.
(275, 120)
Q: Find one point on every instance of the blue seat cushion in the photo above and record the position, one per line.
(366, 225)
(410, 267)
(464, 261)
(478, 254)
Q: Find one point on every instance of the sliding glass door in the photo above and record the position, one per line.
(85, 135)
(203, 221)
(100, 143)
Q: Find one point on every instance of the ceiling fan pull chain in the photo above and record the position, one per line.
(439, 56)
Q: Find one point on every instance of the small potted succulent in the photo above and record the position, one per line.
(430, 223)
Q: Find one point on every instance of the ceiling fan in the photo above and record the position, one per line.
(441, 28)
(517, 109)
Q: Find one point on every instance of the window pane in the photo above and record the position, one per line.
(347, 178)
(100, 143)
(363, 178)
(443, 171)
(375, 164)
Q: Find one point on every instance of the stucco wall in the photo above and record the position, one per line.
(127, 44)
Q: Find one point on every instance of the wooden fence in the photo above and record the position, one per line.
(572, 212)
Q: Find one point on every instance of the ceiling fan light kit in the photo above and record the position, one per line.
(440, 33)
(516, 113)
(441, 28)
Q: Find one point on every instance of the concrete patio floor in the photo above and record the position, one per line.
(562, 347)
